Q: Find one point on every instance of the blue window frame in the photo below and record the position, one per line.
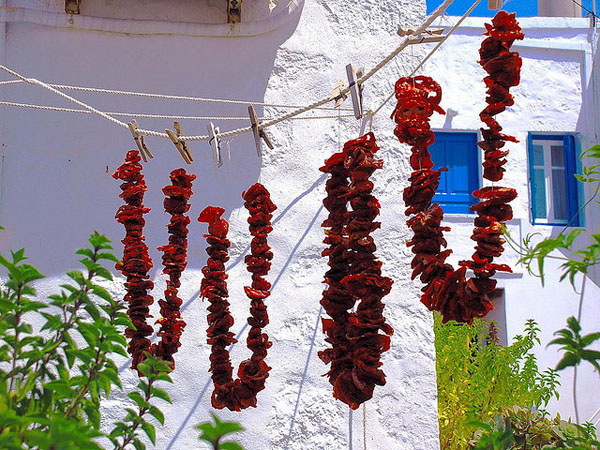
(458, 152)
(552, 184)
(523, 8)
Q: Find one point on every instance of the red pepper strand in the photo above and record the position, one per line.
(503, 68)
(336, 301)
(447, 290)
(356, 384)
(252, 373)
(136, 261)
(174, 261)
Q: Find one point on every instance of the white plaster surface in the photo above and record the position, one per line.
(555, 79)
(57, 189)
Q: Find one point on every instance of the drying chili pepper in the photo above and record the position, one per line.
(448, 290)
(503, 68)
(174, 260)
(136, 262)
(252, 373)
(355, 275)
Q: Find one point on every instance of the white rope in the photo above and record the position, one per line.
(151, 133)
(166, 96)
(435, 49)
(156, 116)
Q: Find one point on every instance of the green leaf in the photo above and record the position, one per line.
(138, 399)
(568, 360)
(590, 355)
(230, 446)
(159, 393)
(150, 431)
(589, 338)
(157, 414)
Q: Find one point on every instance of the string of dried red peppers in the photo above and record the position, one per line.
(136, 261)
(252, 373)
(447, 290)
(354, 275)
(174, 262)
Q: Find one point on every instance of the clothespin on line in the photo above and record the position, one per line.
(215, 143)
(367, 119)
(259, 134)
(494, 4)
(180, 144)
(139, 141)
(338, 94)
(411, 31)
(355, 89)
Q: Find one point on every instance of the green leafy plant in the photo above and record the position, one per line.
(575, 346)
(523, 429)
(53, 380)
(477, 377)
(214, 433)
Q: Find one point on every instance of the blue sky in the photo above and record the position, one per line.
(523, 8)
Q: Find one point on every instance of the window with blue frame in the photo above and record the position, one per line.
(553, 187)
(523, 8)
(458, 152)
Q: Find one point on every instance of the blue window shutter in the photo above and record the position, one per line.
(458, 152)
(571, 170)
(532, 186)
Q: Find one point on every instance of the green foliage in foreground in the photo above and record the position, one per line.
(477, 377)
(214, 433)
(575, 346)
(522, 429)
(53, 380)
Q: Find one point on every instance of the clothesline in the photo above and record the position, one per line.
(157, 116)
(293, 114)
(65, 87)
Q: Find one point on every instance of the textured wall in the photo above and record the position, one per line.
(555, 96)
(56, 189)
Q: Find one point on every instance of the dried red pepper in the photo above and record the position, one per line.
(252, 373)
(355, 275)
(503, 68)
(174, 262)
(448, 290)
(136, 262)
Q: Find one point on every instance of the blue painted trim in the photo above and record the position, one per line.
(571, 168)
(572, 204)
(531, 183)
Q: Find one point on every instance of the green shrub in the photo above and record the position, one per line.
(477, 377)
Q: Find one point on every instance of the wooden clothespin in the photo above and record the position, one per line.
(215, 143)
(355, 90)
(258, 133)
(179, 143)
(338, 94)
(494, 4)
(139, 141)
(411, 31)
(183, 144)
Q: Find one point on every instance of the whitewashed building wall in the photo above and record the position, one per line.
(57, 188)
(557, 95)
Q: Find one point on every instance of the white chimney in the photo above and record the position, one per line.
(558, 8)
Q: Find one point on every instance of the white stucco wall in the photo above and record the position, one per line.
(57, 188)
(556, 77)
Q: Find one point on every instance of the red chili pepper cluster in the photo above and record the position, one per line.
(174, 261)
(447, 290)
(504, 69)
(252, 373)
(355, 275)
(136, 261)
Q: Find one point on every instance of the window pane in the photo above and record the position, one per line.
(538, 155)
(559, 194)
(539, 193)
(558, 155)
